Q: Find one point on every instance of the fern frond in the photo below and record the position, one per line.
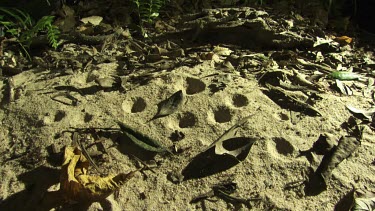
(53, 35)
(20, 25)
(137, 3)
(44, 24)
(148, 9)
(7, 24)
(41, 25)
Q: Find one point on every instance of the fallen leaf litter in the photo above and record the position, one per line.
(290, 83)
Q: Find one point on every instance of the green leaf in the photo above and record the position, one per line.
(343, 75)
(20, 17)
(148, 9)
(20, 25)
(53, 35)
(13, 32)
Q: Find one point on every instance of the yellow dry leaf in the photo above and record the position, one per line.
(222, 51)
(344, 40)
(76, 185)
(94, 20)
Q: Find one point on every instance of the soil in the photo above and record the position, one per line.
(87, 89)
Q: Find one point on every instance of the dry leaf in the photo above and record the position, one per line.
(169, 106)
(235, 147)
(222, 51)
(217, 159)
(343, 40)
(318, 180)
(76, 185)
(94, 20)
(346, 146)
(344, 89)
(366, 114)
(159, 50)
(321, 41)
(322, 146)
(226, 152)
(141, 140)
(363, 201)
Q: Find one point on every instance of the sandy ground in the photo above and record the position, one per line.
(34, 122)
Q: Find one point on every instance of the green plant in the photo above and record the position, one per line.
(44, 24)
(148, 10)
(20, 26)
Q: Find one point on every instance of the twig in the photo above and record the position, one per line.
(324, 69)
(84, 152)
(144, 164)
(11, 89)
